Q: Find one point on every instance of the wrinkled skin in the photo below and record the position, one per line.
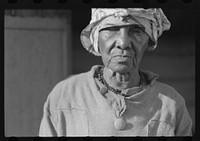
(122, 47)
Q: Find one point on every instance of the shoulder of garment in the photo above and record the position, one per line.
(70, 89)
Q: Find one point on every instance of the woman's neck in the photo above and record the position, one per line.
(121, 81)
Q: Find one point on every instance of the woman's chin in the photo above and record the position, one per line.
(122, 69)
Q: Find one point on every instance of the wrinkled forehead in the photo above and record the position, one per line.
(113, 21)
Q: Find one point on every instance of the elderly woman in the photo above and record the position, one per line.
(117, 99)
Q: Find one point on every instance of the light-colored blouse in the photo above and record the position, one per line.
(81, 106)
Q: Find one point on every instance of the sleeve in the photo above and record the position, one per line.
(184, 122)
(47, 126)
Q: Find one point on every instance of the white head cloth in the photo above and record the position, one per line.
(153, 20)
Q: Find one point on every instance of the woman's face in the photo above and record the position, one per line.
(122, 47)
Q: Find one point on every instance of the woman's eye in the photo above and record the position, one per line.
(136, 30)
(113, 28)
(137, 33)
(110, 29)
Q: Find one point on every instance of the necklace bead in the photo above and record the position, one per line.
(103, 90)
(116, 91)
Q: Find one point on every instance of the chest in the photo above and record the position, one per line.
(99, 119)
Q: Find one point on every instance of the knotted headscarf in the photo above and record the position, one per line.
(153, 20)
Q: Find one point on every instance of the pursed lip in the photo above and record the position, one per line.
(123, 56)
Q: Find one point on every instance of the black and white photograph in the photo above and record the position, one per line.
(99, 72)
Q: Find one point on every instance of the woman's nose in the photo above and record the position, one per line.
(123, 40)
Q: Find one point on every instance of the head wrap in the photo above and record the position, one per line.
(153, 20)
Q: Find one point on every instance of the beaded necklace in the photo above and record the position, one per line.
(116, 91)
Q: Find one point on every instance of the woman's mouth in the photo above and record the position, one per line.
(122, 58)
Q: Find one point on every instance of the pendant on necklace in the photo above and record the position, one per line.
(119, 107)
(120, 123)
